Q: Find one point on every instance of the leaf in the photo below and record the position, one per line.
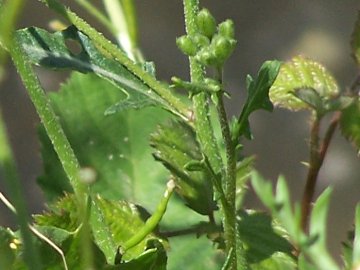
(193, 254)
(176, 146)
(350, 123)
(53, 51)
(356, 245)
(258, 96)
(115, 222)
(317, 228)
(301, 73)
(259, 237)
(153, 258)
(355, 40)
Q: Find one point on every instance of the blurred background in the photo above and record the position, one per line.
(273, 29)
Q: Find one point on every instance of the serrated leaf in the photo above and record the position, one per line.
(260, 239)
(258, 96)
(355, 40)
(115, 222)
(350, 123)
(301, 73)
(176, 146)
(114, 146)
(52, 51)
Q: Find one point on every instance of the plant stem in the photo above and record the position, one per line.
(58, 138)
(206, 136)
(175, 105)
(7, 163)
(317, 156)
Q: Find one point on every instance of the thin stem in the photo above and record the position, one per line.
(314, 166)
(175, 105)
(230, 178)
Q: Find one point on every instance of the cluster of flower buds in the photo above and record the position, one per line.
(212, 44)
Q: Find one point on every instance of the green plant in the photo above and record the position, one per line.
(117, 143)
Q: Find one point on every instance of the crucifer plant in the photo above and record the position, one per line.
(114, 137)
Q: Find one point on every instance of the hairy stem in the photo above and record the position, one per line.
(206, 136)
(59, 140)
(317, 155)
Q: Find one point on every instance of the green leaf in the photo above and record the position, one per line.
(355, 40)
(153, 258)
(192, 253)
(7, 253)
(350, 123)
(115, 222)
(260, 239)
(258, 96)
(356, 245)
(54, 51)
(317, 228)
(302, 73)
(176, 147)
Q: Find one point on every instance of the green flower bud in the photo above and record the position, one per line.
(206, 23)
(186, 45)
(200, 40)
(222, 48)
(206, 57)
(227, 29)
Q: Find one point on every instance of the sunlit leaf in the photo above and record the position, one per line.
(302, 73)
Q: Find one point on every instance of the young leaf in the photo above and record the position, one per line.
(297, 74)
(350, 123)
(258, 97)
(176, 146)
(52, 51)
(355, 40)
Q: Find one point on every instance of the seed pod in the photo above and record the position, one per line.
(186, 45)
(206, 23)
(227, 29)
(206, 57)
(200, 40)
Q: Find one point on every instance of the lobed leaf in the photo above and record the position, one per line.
(176, 146)
(258, 96)
(350, 123)
(302, 73)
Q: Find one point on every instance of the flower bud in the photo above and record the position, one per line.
(227, 29)
(222, 48)
(186, 45)
(206, 23)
